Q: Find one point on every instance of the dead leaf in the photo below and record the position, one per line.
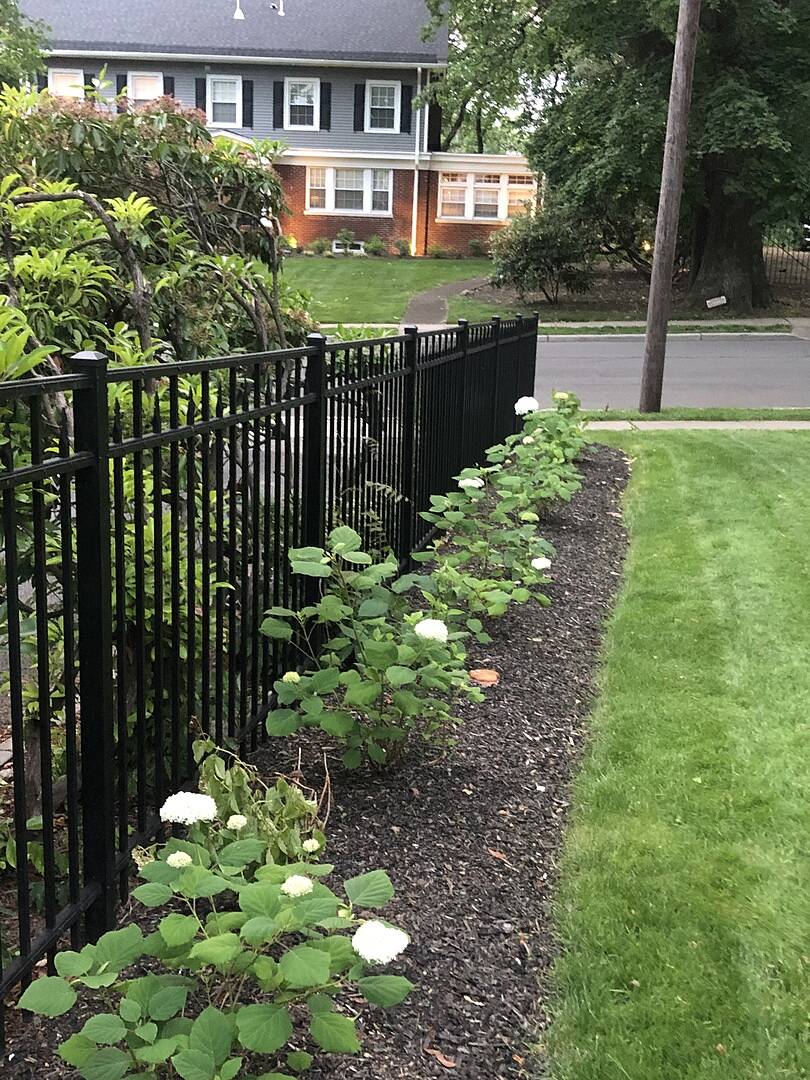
(485, 676)
(498, 855)
(442, 1059)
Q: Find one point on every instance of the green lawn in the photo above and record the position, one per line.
(371, 290)
(684, 412)
(685, 895)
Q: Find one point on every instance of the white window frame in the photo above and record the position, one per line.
(209, 99)
(79, 81)
(503, 188)
(316, 110)
(133, 75)
(368, 182)
(367, 126)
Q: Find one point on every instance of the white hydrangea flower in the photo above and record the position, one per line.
(311, 846)
(432, 629)
(471, 482)
(187, 808)
(291, 676)
(526, 405)
(178, 859)
(297, 885)
(237, 822)
(378, 943)
(561, 395)
(541, 563)
(528, 440)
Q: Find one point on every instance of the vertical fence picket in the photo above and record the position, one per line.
(314, 447)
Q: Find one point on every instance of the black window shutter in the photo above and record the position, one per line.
(88, 77)
(120, 87)
(42, 81)
(406, 112)
(247, 103)
(434, 128)
(326, 106)
(359, 106)
(168, 85)
(278, 104)
(200, 94)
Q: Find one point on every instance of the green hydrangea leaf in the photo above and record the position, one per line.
(372, 890)
(49, 996)
(334, 1033)
(263, 1028)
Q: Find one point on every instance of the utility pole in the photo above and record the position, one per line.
(669, 206)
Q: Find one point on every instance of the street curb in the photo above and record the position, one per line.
(685, 337)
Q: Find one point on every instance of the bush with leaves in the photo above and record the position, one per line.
(376, 673)
(248, 955)
(542, 250)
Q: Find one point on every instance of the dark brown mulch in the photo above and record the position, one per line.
(471, 839)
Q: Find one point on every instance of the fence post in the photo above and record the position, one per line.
(409, 445)
(496, 380)
(313, 525)
(465, 454)
(94, 607)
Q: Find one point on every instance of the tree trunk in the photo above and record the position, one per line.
(731, 263)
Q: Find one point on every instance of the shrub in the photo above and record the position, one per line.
(542, 251)
(436, 251)
(320, 245)
(402, 247)
(478, 248)
(346, 238)
(375, 245)
(231, 977)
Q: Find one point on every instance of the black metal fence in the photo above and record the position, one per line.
(146, 516)
(787, 259)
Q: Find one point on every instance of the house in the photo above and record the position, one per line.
(337, 81)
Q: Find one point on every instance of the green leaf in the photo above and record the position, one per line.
(77, 1050)
(105, 1029)
(357, 558)
(370, 890)
(312, 569)
(153, 894)
(196, 882)
(178, 929)
(259, 930)
(373, 607)
(362, 693)
(263, 1028)
(194, 1065)
(339, 950)
(230, 1069)
(299, 1060)
(130, 1009)
(275, 628)
(334, 1033)
(324, 681)
(303, 967)
(159, 1051)
(73, 963)
(400, 676)
(308, 554)
(212, 1033)
(148, 1032)
(118, 949)
(343, 539)
(352, 759)
(220, 951)
(380, 654)
(107, 1064)
(385, 990)
(312, 706)
(337, 722)
(166, 1002)
(282, 722)
(242, 852)
(49, 996)
(375, 752)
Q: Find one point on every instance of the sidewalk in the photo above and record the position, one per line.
(699, 425)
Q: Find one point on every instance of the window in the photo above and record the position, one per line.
(302, 104)
(349, 191)
(224, 101)
(383, 106)
(67, 83)
(142, 88)
(483, 196)
(316, 193)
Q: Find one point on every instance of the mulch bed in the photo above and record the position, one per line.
(470, 839)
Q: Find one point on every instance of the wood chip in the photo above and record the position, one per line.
(485, 676)
(442, 1059)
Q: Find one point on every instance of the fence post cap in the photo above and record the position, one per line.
(315, 338)
(89, 356)
(463, 322)
(496, 318)
(410, 329)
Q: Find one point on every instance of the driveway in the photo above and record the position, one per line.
(736, 372)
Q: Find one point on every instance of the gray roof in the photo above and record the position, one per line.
(366, 30)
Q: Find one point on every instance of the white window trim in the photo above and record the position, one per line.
(368, 181)
(368, 129)
(79, 80)
(469, 201)
(209, 99)
(316, 110)
(133, 75)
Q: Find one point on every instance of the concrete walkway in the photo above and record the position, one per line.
(699, 425)
(430, 308)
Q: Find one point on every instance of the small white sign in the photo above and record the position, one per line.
(716, 301)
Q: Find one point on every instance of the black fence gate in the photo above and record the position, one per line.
(146, 517)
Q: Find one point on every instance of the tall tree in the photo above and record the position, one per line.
(599, 74)
(21, 43)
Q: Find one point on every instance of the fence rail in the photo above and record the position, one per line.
(787, 260)
(146, 516)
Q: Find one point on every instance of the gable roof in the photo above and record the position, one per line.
(388, 31)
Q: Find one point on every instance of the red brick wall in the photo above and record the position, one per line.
(451, 235)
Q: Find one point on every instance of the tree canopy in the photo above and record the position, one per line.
(21, 43)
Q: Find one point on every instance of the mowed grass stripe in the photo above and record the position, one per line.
(684, 902)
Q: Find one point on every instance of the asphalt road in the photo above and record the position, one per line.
(737, 372)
